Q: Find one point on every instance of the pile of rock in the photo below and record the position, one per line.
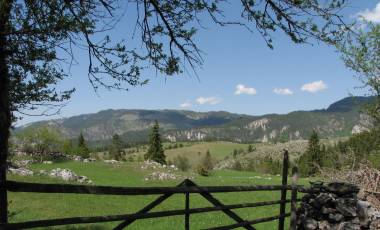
(67, 175)
(155, 165)
(161, 176)
(81, 159)
(23, 163)
(335, 206)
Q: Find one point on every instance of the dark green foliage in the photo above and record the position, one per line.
(40, 142)
(155, 151)
(116, 148)
(360, 147)
(206, 165)
(82, 149)
(312, 160)
(237, 166)
(267, 165)
(250, 148)
(182, 162)
(68, 147)
(201, 170)
(207, 161)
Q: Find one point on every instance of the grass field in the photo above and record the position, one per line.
(196, 151)
(31, 206)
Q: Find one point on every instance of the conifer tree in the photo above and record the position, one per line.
(116, 149)
(312, 159)
(83, 150)
(207, 161)
(155, 150)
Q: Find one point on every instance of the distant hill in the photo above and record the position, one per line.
(341, 118)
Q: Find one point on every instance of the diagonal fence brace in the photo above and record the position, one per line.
(216, 202)
(147, 208)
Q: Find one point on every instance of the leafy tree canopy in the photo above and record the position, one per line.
(361, 53)
(38, 38)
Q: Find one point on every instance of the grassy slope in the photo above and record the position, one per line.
(44, 206)
(218, 150)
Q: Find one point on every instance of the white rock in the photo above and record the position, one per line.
(112, 161)
(68, 175)
(21, 171)
(47, 162)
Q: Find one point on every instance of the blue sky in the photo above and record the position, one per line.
(240, 74)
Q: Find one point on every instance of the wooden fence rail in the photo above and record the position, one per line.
(187, 187)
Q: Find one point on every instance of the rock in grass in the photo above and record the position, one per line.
(20, 171)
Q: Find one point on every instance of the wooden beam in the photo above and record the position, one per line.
(146, 209)
(14, 186)
(133, 217)
(206, 194)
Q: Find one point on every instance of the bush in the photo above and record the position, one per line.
(207, 161)
(182, 163)
(201, 170)
(237, 166)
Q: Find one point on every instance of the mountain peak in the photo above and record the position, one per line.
(348, 104)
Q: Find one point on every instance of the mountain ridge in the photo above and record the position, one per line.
(341, 118)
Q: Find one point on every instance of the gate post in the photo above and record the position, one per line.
(293, 215)
(285, 166)
(187, 214)
(187, 204)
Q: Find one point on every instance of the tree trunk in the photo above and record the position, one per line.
(5, 110)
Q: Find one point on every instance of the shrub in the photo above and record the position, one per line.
(201, 170)
(237, 166)
(182, 163)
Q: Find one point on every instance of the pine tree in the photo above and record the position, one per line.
(312, 160)
(155, 150)
(207, 161)
(116, 148)
(83, 150)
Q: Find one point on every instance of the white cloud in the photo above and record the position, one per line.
(371, 15)
(314, 87)
(185, 105)
(283, 91)
(242, 89)
(208, 100)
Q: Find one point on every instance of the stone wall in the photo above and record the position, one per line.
(335, 206)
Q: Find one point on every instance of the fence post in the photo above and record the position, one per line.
(187, 214)
(187, 205)
(285, 166)
(293, 215)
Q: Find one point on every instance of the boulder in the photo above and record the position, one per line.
(310, 224)
(336, 218)
(68, 175)
(112, 162)
(347, 207)
(348, 226)
(341, 188)
(20, 171)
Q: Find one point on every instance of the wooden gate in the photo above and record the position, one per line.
(186, 187)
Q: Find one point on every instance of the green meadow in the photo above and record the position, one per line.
(34, 206)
